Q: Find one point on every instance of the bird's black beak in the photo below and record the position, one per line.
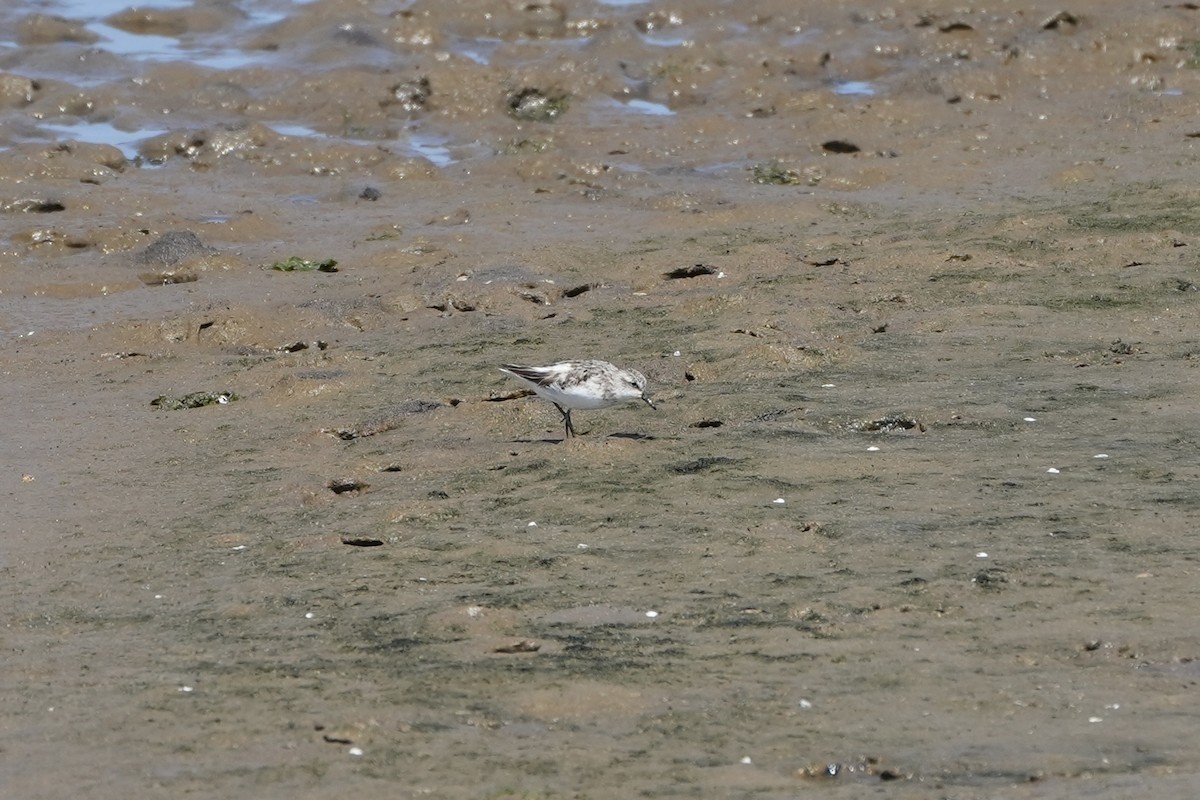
(650, 402)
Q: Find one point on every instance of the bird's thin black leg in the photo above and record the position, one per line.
(566, 412)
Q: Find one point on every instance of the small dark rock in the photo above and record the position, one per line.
(840, 146)
(689, 272)
(346, 485)
(173, 247)
(359, 541)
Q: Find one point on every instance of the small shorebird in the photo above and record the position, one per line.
(582, 384)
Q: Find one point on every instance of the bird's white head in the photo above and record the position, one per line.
(632, 386)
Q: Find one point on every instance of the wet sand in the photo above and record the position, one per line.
(916, 513)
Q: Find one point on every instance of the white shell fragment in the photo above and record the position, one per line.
(872, 449)
(779, 501)
(806, 704)
(186, 689)
(1100, 455)
(1053, 470)
(1031, 419)
(747, 760)
(651, 614)
(310, 615)
(981, 554)
(531, 524)
(355, 751)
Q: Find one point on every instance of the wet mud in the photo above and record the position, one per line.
(915, 289)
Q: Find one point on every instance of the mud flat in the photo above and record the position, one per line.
(915, 290)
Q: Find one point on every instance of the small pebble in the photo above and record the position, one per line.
(310, 615)
(747, 760)
(651, 614)
(355, 751)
